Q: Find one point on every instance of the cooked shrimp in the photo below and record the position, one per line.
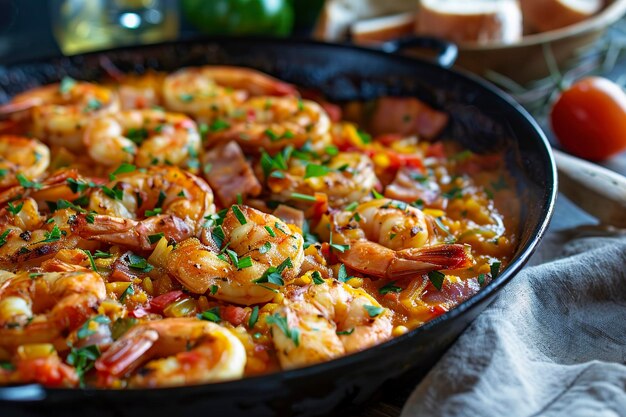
(21, 155)
(391, 239)
(158, 190)
(175, 352)
(213, 92)
(326, 321)
(28, 237)
(346, 177)
(245, 258)
(46, 368)
(141, 91)
(143, 137)
(271, 123)
(60, 112)
(42, 307)
(130, 233)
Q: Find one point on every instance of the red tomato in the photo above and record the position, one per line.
(233, 314)
(589, 118)
(163, 300)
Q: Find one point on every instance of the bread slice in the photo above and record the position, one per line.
(546, 15)
(475, 21)
(381, 29)
(338, 15)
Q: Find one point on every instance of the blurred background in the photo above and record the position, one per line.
(33, 28)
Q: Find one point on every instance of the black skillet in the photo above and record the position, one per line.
(482, 118)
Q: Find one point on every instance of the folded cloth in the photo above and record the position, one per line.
(552, 344)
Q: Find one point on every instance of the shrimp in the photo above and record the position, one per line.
(60, 112)
(271, 123)
(157, 190)
(130, 233)
(191, 351)
(390, 239)
(43, 307)
(143, 137)
(321, 322)
(245, 258)
(346, 177)
(141, 91)
(21, 155)
(212, 92)
(39, 363)
(28, 237)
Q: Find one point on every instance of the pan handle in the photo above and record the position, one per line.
(447, 52)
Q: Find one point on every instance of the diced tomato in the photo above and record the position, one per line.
(399, 160)
(392, 296)
(328, 254)
(388, 139)
(320, 207)
(233, 314)
(437, 150)
(163, 300)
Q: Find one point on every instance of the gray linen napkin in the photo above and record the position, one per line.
(552, 344)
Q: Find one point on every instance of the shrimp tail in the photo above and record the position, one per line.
(423, 260)
(127, 354)
(130, 233)
(379, 261)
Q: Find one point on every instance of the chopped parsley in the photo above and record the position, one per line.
(342, 274)
(304, 197)
(365, 137)
(345, 332)
(436, 278)
(137, 135)
(139, 263)
(122, 169)
(495, 269)
(389, 288)
(212, 314)
(273, 274)
(155, 237)
(373, 311)
(26, 183)
(53, 235)
(84, 330)
(83, 360)
(91, 261)
(314, 170)
(66, 85)
(254, 317)
(93, 104)
(239, 215)
(377, 195)
(270, 231)
(317, 278)
(218, 125)
(14, 210)
(115, 193)
(265, 248)
(281, 322)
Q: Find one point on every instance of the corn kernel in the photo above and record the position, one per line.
(36, 350)
(399, 331)
(278, 298)
(434, 212)
(203, 303)
(355, 282)
(381, 160)
(147, 285)
(112, 309)
(117, 288)
(160, 253)
(303, 280)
